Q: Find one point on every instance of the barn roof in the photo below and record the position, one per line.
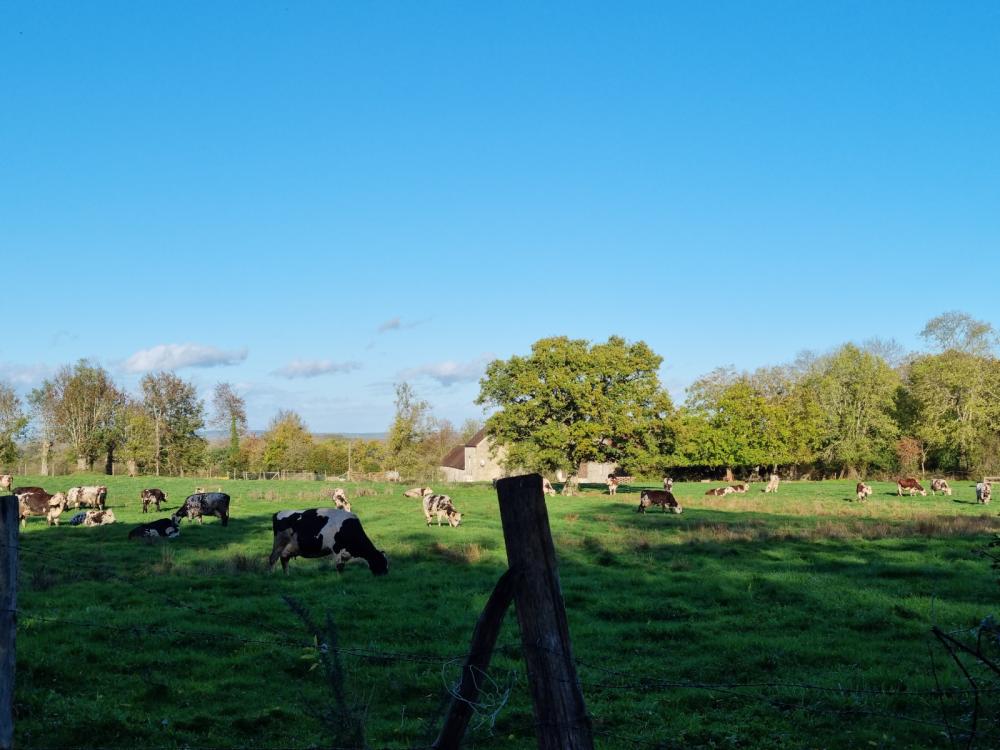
(455, 458)
(476, 439)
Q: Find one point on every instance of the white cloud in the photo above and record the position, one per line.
(176, 356)
(449, 373)
(24, 375)
(311, 368)
(393, 324)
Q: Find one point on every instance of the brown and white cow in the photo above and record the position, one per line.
(984, 490)
(339, 497)
(741, 488)
(612, 484)
(664, 498)
(940, 485)
(668, 484)
(6, 482)
(911, 485)
(440, 506)
(320, 532)
(863, 490)
(93, 518)
(93, 496)
(418, 492)
(152, 496)
(41, 504)
(772, 484)
(720, 491)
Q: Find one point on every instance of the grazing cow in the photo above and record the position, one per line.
(547, 488)
(720, 491)
(164, 528)
(741, 488)
(983, 492)
(940, 485)
(668, 484)
(863, 490)
(612, 484)
(320, 532)
(663, 498)
(6, 482)
(911, 484)
(152, 496)
(440, 505)
(93, 518)
(204, 504)
(92, 497)
(772, 484)
(418, 492)
(339, 497)
(41, 504)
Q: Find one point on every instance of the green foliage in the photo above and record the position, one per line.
(13, 424)
(408, 447)
(177, 415)
(570, 402)
(288, 443)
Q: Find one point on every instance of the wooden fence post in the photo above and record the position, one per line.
(8, 619)
(484, 638)
(560, 712)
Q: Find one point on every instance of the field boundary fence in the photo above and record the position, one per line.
(971, 720)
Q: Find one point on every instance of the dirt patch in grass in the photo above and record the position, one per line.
(468, 554)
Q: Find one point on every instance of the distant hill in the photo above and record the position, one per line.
(216, 435)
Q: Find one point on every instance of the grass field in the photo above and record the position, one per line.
(189, 643)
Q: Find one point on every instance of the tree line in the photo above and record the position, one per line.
(860, 409)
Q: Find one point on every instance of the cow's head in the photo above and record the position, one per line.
(58, 500)
(379, 563)
(454, 518)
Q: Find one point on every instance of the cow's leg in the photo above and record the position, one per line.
(427, 517)
(284, 564)
(225, 519)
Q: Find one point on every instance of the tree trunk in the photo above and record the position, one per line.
(568, 486)
(46, 447)
(133, 468)
(157, 424)
(109, 462)
(729, 474)
(81, 463)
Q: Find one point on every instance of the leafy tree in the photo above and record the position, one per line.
(13, 424)
(287, 443)
(230, 412)
(80, 404)
(569, 402)
(960, 332)
(177, 415)
(857, 393)
(410, 447)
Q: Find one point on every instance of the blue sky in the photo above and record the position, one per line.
(316, 200)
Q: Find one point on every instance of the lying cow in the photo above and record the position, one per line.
(612, 484)
(93, 518)
(164, 528)
(720, 491)
(983, 492)
(940, 485)
(772, 484)
(6, 482)
(668, 484)
(41, 504)
(418, 492)
(320, 532)
(204, 504)
(741, 488)
(92, 497)
(910, 484)
(152, 496)
(863, 491)
(547, 488)
(339, 497)
(440, 505)
(663, 498)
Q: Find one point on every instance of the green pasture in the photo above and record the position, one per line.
(190, 643)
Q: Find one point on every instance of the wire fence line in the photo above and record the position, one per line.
(608, 679)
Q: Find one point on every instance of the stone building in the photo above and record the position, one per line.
(472, 462)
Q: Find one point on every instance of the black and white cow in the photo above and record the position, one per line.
(152, 496)
(204, 504)
(440, 505)
(320, 532)
(164, 528)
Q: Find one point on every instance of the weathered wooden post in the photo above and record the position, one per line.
(8, 621)
(560, 712)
